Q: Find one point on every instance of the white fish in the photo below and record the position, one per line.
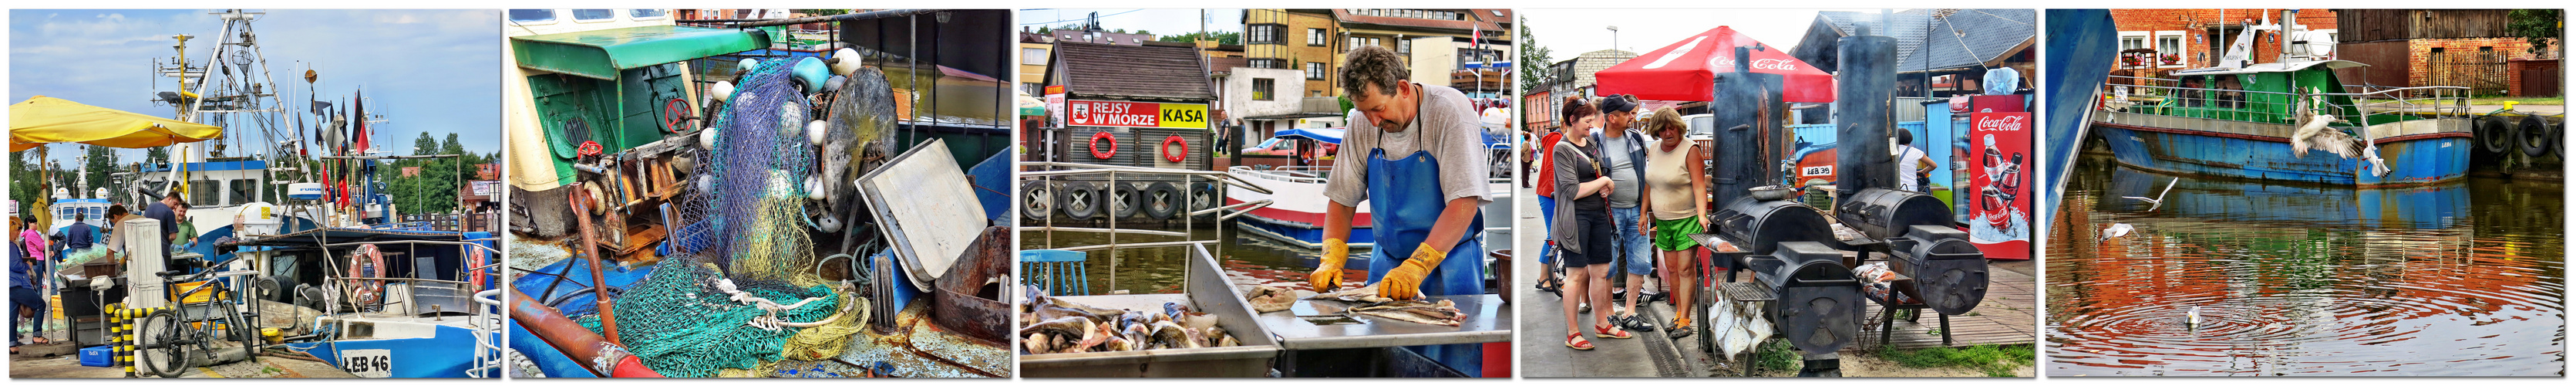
(2115, 231)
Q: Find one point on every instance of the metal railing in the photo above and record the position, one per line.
(1107, 206)
(2160, 96)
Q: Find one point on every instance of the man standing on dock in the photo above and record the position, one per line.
(1424, 177)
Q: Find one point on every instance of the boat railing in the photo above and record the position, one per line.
(2432, 101)
(1295, 174)
(2160, 96)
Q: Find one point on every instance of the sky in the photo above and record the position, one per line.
(1158, 21)
(435, 71)
(1570, 32)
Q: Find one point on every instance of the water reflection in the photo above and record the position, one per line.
(2459, 279)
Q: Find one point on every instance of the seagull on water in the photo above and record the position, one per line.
(2115, 231)
(2192, 319)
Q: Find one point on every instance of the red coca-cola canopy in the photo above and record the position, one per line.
(1683, 71)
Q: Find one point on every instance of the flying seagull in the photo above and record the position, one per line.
(2159, 201)
(2314, 134)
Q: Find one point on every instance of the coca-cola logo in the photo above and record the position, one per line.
(1761, 64)
(2002, 122)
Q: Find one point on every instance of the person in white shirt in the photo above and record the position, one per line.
(1913, 166)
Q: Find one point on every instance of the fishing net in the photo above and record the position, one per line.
(744, 228)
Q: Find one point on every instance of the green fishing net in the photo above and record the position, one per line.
(682, 326)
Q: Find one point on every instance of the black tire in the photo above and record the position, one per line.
(163, 329)
(2535, 135)
(1037, 200)
(2494, 134)
(1125, 200)
(1162, 200)
(1202, 196)
(2557, 139)
(1079, 200)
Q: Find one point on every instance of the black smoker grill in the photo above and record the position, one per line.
(1791, 248)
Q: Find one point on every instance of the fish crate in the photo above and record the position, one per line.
(1207, 290)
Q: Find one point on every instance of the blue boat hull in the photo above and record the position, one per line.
(446, 355)
(2414, 160)
(1300, 234)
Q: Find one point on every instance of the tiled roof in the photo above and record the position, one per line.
(1151, 71)
(1952, 35)
(1224, 65)
(1595, 61)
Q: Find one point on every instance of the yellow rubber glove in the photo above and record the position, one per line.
(1405, 281)
(1328, 275)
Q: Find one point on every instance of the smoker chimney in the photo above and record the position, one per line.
(1742, 109)
(1864, 100)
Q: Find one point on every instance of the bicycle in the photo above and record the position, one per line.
(173, 332)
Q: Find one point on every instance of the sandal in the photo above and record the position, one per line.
(1603, 330)
(1584, 308)
(1552, 286)
(1575, 341)
(1680, 330)
(1633, 322)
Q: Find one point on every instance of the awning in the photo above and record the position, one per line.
(1683, 71)
(43, 119)
(601, 54)
(1331, 135)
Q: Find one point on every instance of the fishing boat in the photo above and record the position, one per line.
(1296, 194)
(2246, 120)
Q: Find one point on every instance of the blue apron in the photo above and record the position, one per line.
(1405, 199)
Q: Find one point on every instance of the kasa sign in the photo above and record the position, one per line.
(1136, 114)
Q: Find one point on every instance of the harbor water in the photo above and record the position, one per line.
(2459, 279)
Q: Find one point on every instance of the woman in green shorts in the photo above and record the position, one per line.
(1679, 202)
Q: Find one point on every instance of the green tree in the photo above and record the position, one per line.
(156, 155)
(2539, 26)
(1534, 59)
(1220, 37)
(102, 161)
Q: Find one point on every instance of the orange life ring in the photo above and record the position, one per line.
(1097, 139)
(1173, 142)
(373, 266)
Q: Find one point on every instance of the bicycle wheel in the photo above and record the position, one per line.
(164, 337)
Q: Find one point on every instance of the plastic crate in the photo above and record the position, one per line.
(94, 356)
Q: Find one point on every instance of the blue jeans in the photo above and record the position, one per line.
(1547, 216)
(1634, 247)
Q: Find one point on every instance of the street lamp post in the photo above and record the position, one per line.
(1614, 37)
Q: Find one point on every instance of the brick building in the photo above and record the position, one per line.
(2195, 38)
(2448, 47)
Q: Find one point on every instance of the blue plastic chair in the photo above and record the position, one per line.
(1059, 272)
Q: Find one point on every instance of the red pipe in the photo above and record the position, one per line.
(577, 342)
(589, 250)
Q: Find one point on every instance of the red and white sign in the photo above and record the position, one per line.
(1055, 104)
(1136, 114)
(2013, 122)
(1999, 218)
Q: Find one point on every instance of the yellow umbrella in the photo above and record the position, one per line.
(42, 120)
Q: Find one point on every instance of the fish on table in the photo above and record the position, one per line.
(1441, 313)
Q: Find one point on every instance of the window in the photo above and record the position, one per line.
(532, 16)
(1314, 71)
(1404, 46)
(641, 14)
(591, 15)
(1315, 37)
(1356, 42)
(244, 189)
(2169, 49)
(1261, 34)
(1264, 89)
(1033, 56)
(205, 193)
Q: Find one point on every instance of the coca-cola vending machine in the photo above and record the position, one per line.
(1998, 201)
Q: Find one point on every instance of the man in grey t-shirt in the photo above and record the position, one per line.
(1417, 159)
